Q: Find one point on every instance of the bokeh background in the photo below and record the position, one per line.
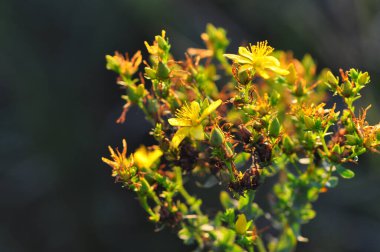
(58, 106)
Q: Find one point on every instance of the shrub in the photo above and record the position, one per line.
(238, 121)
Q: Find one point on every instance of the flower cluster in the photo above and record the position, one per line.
(234, 125)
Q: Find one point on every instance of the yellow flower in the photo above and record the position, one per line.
(189, 118)
(145, 158)
(124, 65)
(256, 58)
(122, 166)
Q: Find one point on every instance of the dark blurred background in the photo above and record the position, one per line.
(58, 106)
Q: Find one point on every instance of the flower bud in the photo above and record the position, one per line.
(241, 224)
(363, 79)
(347, 89)
(243, 77)
(217, 137)
(162, 42)
(335, 154)
(150, 73)
(112, 64)
(353, 140)
(350, 126)
(299, 89)
(140, 91)
(309, 122)
(353, 73)
(331, 79)
(336, 149)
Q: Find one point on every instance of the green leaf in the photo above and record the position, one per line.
(312, 194)
(243, 201)
(185, 235)
(162, 71)
(344, 173)
(229, 216)
(274, 127)
(224, 237)
(307, 214)
(287, 241)
(226, 200)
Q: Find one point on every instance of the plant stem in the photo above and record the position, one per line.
(190, 200)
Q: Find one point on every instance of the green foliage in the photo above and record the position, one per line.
(269, 120)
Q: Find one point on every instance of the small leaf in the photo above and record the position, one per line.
(274, 127)
(243, 201)
(225, 199)
(307, 214)
(332, 182)
(162, 71)
(287, 241)
(229, 216)
(344, 173)
(185, 235)
(312, 194)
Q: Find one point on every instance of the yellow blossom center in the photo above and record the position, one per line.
(261, 49)
(189, 112)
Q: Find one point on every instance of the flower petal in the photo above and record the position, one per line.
(237, 58)
(262, 73)
(213, 106)
(279, 70)
(179, 122)
(145, 158)
(243, 51)
(195, 108)
(267, 61)
(197, 132)
(180, 135)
